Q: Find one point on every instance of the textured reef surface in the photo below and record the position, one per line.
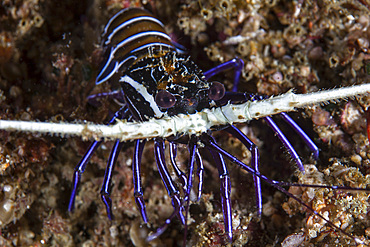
(50, 56)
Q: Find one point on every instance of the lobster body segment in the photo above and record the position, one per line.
(156, 80)
(127, 37)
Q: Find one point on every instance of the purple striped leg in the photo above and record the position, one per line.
(311, 145)
(166, 178)
(80, 168)
(107, 183)
(200, 173)
(138, 190)
(225, 188)
(242, 97)
(180, 174)
(123, 113)
(177, 209)
(163, 227)
(193, 155)
(278, 185)
(94, 99)
(236, 63)
(285, 142)
(254, 162)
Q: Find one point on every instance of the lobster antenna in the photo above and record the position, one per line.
(193, 124)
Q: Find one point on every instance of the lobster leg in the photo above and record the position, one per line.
(138, 190)
(235, 63)
(278, 185)
(94, 99)
(285, 142)
(193, 154)
(123, 113)
(106, 188)
(159, 150)
(238, 65)
(192, 149)
(200, 173)
(242, 97)
(254, 162)
(311, 145)
(180, 174)
(166, 178)
(225, 189)
(80, 168)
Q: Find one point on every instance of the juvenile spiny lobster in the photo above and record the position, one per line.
(159, 81)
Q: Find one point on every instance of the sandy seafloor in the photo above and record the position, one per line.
(49, 57)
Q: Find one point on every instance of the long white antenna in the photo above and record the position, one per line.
(197, 123)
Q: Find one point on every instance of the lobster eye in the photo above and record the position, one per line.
(165, 99)
(216, 91)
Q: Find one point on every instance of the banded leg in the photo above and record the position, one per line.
(235, 63)
(177, 209)
(166, 178)
(138, 190)
(163, 227)
(255, 153)
(310, 144)
(285, 142)
(278, 185)
(192, 150)
(200, 173)
(238, 64)
(106, 188)
(280, 134)
(93, 99)
(79, 169)
(254, 163)
(123, 113)
(180, 174)
(225, 189)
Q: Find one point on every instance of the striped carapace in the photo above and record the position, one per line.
(156, 80)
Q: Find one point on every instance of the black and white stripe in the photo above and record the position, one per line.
(127, 38)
